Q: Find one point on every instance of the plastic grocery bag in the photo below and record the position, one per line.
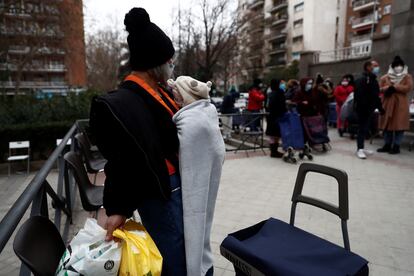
(89, 254)
(140, 255)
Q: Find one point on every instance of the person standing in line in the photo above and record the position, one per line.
(366, 101)
(255, 104)
(396, 86)
(341, 93)
(134, 129)
(227, 107)
(276, 108)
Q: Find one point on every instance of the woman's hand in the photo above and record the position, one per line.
(112, 223)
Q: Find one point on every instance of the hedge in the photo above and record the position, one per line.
(41, 121)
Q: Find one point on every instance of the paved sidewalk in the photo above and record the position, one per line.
(381, 198)
(381, 194)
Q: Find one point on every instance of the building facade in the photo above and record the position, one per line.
(288, 28)
(43, 48)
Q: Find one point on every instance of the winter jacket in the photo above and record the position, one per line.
(366, 95)
(276, 109)
(136, 134)
(227, 107)
(341, 93)
(397, 112)
(256, 99)
(317, 101)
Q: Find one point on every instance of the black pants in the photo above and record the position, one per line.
(364, 123)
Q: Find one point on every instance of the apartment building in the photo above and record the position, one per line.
(43, 48)
(289, 27)
(367, 19)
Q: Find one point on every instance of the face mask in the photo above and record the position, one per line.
(376, 70)
(308, 87)
(398, 69)
(282, 86)
(344, 83)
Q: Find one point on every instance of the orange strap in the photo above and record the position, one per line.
(153, 93)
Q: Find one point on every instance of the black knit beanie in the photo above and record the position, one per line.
(397, 61)
(149, 46)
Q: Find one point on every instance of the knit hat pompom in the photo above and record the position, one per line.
(397, 61)
(191, 89)
(136, 20)
(149, 46)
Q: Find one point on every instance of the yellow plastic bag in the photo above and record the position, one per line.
(140, 255)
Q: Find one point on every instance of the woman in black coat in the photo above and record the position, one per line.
(276, 109)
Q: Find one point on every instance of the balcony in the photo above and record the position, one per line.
(279, 20)
(256, 4)
(34, 85)
(363, 22)
(279, 36)
(276, 62)
(279, 6)
(361, 39)
(360, 5)
(348, 53)
(48, 68)
(277, 50)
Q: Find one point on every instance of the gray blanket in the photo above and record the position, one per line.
(202, 153)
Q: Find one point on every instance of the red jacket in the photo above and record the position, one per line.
(341, 93)
(256, 99)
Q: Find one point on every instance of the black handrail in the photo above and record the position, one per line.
(37, 191)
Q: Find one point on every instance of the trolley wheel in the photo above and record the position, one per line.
(294, 161)
(301, 155)
(310, 157)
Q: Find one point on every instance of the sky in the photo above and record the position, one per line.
(109, 13)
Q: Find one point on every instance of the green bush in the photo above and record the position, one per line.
(41, 121)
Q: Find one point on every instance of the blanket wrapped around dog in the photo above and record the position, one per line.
(202, 153)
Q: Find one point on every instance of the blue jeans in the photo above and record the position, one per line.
(393, 137)
(164, 222)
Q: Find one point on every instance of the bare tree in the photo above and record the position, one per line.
(104, 53)
(207, 43)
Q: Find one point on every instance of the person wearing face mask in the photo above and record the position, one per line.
(255, 103)
(366, 101)
(307, 98)
(341, 93)
(134, 129)
(396, 86)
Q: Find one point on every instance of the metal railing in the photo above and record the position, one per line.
(360, 51)
(243, 130)
(39, 189)
(369, 19)
(360, 3)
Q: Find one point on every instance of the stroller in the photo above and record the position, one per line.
(274, 247)
(292, 136)
(316, 132)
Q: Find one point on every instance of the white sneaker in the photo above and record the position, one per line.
(361, 154)
(368, 152)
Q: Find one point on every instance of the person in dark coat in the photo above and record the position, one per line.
(306, 99)
(227, 107)
(134, 130)
(366, 101)
(276, 109)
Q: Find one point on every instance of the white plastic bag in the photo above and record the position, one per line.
(88, 254)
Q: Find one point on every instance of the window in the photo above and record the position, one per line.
(387, 9)
(299, 7)
(296, 56)
(385, 29)
(298, 39)
(298, 23)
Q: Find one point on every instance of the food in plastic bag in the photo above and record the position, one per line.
(140, 255)
(89, 254)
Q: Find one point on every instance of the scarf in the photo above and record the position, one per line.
(397, 78)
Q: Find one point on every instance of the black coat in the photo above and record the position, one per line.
(366, 95)
(135, 134)
(227, 107)
(276, 108)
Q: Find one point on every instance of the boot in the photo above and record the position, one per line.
(395, 150)
(385, 148)
(274, 153)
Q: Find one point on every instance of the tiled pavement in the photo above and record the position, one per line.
(381, 194)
